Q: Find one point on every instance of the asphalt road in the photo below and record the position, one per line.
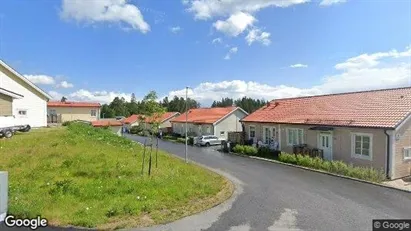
(278, 197)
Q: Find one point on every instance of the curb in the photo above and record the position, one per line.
(321, 171)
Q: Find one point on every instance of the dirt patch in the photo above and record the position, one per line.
(404, 183)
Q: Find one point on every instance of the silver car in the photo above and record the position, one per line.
(208, 140)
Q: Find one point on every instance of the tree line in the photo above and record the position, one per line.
(248, 104)
(120, 107)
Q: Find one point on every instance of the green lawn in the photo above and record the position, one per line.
(89, 177)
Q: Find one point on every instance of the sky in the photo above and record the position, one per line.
(95, 50)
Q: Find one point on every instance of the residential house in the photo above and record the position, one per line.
(216, 121)
(163, 120)
(133, 120)
(62, 111)
(114, 125)
(20, 99)
(368, 128)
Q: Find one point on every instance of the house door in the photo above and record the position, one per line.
(325, 142)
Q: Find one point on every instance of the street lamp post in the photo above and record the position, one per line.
(186, 158)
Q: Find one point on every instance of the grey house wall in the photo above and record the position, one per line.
(229, 124)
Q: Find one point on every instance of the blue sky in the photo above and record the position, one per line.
(97, 49)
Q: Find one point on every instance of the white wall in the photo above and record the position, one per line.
(230, 124)
(4, 187)
(35, 104)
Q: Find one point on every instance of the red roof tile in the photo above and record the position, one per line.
(132, 119)
(106, 123)
(378, 108)
(162, 118)
(204, 115)
(72, 104)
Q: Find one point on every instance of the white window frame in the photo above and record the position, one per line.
(360, 156)
(273, 130)
(249, 132)
(95, 112)
(22, 109)
(407, 149)
(223, 133)
(297, 130)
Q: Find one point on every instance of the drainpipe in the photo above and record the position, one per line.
(388, 154)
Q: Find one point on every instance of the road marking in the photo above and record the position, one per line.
(286, 222)
(245, 227)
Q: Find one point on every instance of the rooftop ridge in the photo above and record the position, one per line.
(341, 93)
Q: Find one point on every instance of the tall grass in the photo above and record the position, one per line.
(83, 176)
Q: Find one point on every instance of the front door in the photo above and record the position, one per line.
(325, 142)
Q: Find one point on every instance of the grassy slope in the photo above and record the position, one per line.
(88, 177)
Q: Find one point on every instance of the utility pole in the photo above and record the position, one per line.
(186, 158)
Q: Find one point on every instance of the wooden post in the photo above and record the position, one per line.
(149, 162)
(144, 156)
(4, 188)
(156, 152)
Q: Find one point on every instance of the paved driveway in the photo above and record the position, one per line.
(277, 197)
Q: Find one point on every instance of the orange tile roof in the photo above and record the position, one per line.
(377, 109)
(106, 123)
(204, 115)
(131, 119)
(72, 104)
(162, 118)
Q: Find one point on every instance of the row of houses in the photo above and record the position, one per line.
(368, 128)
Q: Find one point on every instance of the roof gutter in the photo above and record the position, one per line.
(387, 173)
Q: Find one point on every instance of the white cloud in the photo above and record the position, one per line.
(175, 29)
(235, 24)
(217, 40)
(299, 65)
(56, 95)
(387, 70)
(65, 84)
(41, 79)
(207, 9)
(114, 11)
(232, 51)
(331, 2)
(97, 96)
(256, 35)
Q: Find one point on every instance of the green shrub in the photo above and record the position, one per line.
(190, 140)
(239, 149)
(181, 140)
(287, 158)
(136, 129)
(338, 167)
(264, 152)
(250, 150)
(66, 123)
(305, 161)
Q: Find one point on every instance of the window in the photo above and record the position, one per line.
(295, 136)
(252, 132)
(268, 134)
(222, 133)
(361, 144)
(22, 112)
(407, 153)
(93, 112)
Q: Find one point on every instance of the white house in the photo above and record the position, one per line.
(216, 121)
(28, 104)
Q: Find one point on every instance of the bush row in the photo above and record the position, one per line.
(338, 167)
(253, 151)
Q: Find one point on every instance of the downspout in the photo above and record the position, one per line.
(388, 154)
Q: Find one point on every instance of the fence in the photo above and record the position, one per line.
(53, 119)
(236, 137)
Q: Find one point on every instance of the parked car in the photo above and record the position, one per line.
(208, 140)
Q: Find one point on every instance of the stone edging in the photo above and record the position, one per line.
(320, 171)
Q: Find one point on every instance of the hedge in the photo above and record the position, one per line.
(338, 167)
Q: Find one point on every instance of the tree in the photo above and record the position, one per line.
(225, 102)
(133, 98)
(118, 105)
(63, 99)
(249, 105)
(179, 104)
(106, 112)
